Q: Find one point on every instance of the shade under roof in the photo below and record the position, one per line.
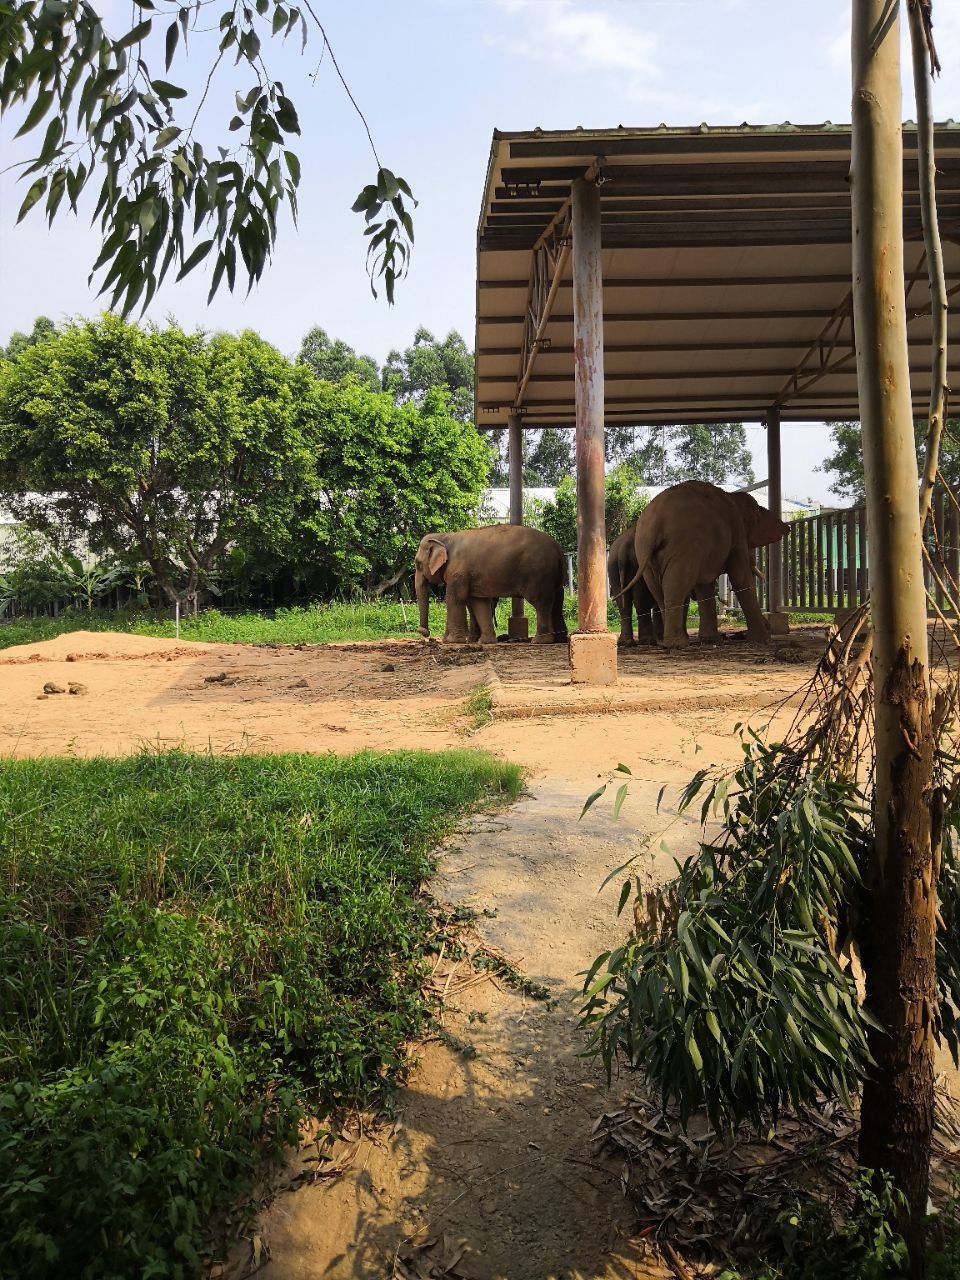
(726, 271)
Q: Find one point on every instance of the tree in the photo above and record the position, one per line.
(333, 360)
(550, 459)
(428, 363)
(166, 198)
(622, 505)
(898, 1099)
(715, 452)
(644, 448)
(846, 461)
(386, 474)
(158, 444)
(43, 328)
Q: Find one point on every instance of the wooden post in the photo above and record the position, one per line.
(518, 627)
(593, 651)
(779, 623)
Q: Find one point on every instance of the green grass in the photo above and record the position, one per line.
(197, 952)
(479, 706)
(341, 621)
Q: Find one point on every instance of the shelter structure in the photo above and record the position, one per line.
(665, 275)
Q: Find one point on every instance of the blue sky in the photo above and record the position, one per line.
(434, 78)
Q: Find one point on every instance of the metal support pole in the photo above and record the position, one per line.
(517, 627)
(775, 505)
(588, 361)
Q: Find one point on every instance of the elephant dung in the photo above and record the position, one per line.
(50, 687)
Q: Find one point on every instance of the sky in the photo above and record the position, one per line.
(434, 78)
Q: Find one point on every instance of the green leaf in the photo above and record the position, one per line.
(36, 112)
(166, 91)
(32, 196)
(293, 167)
(618, 802)
(624, 895)
(622, 768)
(166, 136)
(136, 35)
(592, 799)
(199, 253)
(172, 39)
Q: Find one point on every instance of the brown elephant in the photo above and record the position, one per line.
(621, 569)
(686, 538)
(480, 565)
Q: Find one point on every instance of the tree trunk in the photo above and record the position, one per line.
(897, 1112)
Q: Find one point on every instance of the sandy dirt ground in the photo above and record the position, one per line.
(487, 1168)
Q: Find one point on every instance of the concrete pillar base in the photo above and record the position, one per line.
(593, 658)
(518, 628)
(779, 624)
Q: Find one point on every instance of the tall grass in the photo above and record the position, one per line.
(339, 621)
(195, 953)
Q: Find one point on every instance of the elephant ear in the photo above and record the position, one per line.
(436, 557)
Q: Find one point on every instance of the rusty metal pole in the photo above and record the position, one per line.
(517, 628)
(777, 618)
(591, 663)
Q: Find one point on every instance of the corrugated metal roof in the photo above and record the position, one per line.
(726, 271)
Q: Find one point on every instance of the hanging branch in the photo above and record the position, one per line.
(926, 65)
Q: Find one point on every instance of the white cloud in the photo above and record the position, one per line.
(578, 35)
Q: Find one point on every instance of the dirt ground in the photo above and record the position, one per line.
(488, 1168)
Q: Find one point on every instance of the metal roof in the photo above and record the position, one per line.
(727, 272)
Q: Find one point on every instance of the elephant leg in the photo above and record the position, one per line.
(707, 605)
(545, 621)
(656, 619)
(482, 611)
(675, 586)
(641, 603)
(456, 630)
(740, 571)
(559, 621)
(473, 631)
(625, 639)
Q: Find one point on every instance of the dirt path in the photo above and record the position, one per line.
(492, 1151)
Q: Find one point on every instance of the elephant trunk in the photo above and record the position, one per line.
(423, 602)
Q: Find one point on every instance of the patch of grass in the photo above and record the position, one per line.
(479, 706)
(196, 953)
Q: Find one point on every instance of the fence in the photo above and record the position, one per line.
(826, 563)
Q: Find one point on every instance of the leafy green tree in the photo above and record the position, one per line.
(333, 360)
(715, 452)
(846, 460)
(644, 448)
(428, 363)
(559, 518)
(622, 505)
(108, 117)
(387, 473)
(43, 328)
(550, 458)
(157, 444)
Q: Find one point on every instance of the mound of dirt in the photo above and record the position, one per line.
(75, 646)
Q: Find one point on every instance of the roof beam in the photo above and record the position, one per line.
(660, 317)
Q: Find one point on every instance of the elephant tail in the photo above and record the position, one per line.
(637, 577)
(644, 556)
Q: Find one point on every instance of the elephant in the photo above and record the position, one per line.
(481, 565)
(621, 567)
(689, 535)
